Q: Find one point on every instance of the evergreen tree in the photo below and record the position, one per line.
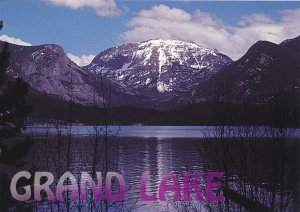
(12, 113)
(13, 108)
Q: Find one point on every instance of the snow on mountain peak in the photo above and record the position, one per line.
(158, 65)
(169, 43)
(171, 50)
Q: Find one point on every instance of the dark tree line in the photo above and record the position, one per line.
(13, 108)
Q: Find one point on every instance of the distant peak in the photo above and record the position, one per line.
(54, 47)
(296, 39)
(160, 40)
(166, 43)
(293, 43)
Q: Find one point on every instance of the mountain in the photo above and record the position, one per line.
(144, 74)
(292, 44)
(47, 69)
(266, 69)
(158, 69)
(161, 82)
(158, 73)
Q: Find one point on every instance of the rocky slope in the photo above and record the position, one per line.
(158, 69)
(47, 69)
(264, 71)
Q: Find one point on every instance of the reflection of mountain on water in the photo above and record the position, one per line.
(260, 171)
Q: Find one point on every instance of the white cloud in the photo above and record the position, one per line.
(13, 40)
(102, 7)
(207, 30)
(82, 60)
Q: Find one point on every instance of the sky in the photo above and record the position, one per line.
(84, 28)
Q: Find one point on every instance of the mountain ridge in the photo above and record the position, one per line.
(154, 73)
(260, 73)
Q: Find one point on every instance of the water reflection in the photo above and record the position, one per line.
(259, 171)
(160, 132)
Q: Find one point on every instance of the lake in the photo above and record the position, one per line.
(259, 164)
(158, 131)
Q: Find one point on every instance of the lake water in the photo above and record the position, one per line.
(158, 131)
(260, 167)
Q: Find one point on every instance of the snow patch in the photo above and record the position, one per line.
(148, 80)
(162, 59)
(125, 66)
(101, 70)
(163, 87)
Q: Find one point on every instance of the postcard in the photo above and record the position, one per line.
(132, 105)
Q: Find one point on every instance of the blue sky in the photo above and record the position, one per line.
(84, 28)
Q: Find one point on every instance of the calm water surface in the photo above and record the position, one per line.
(155, 131)
(260, 176)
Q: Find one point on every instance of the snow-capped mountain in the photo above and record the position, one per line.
(157, 72)
(158, 69)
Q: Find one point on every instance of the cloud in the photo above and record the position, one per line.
(82, 60)
(207, 30)
(13, 40)
(102, 7)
